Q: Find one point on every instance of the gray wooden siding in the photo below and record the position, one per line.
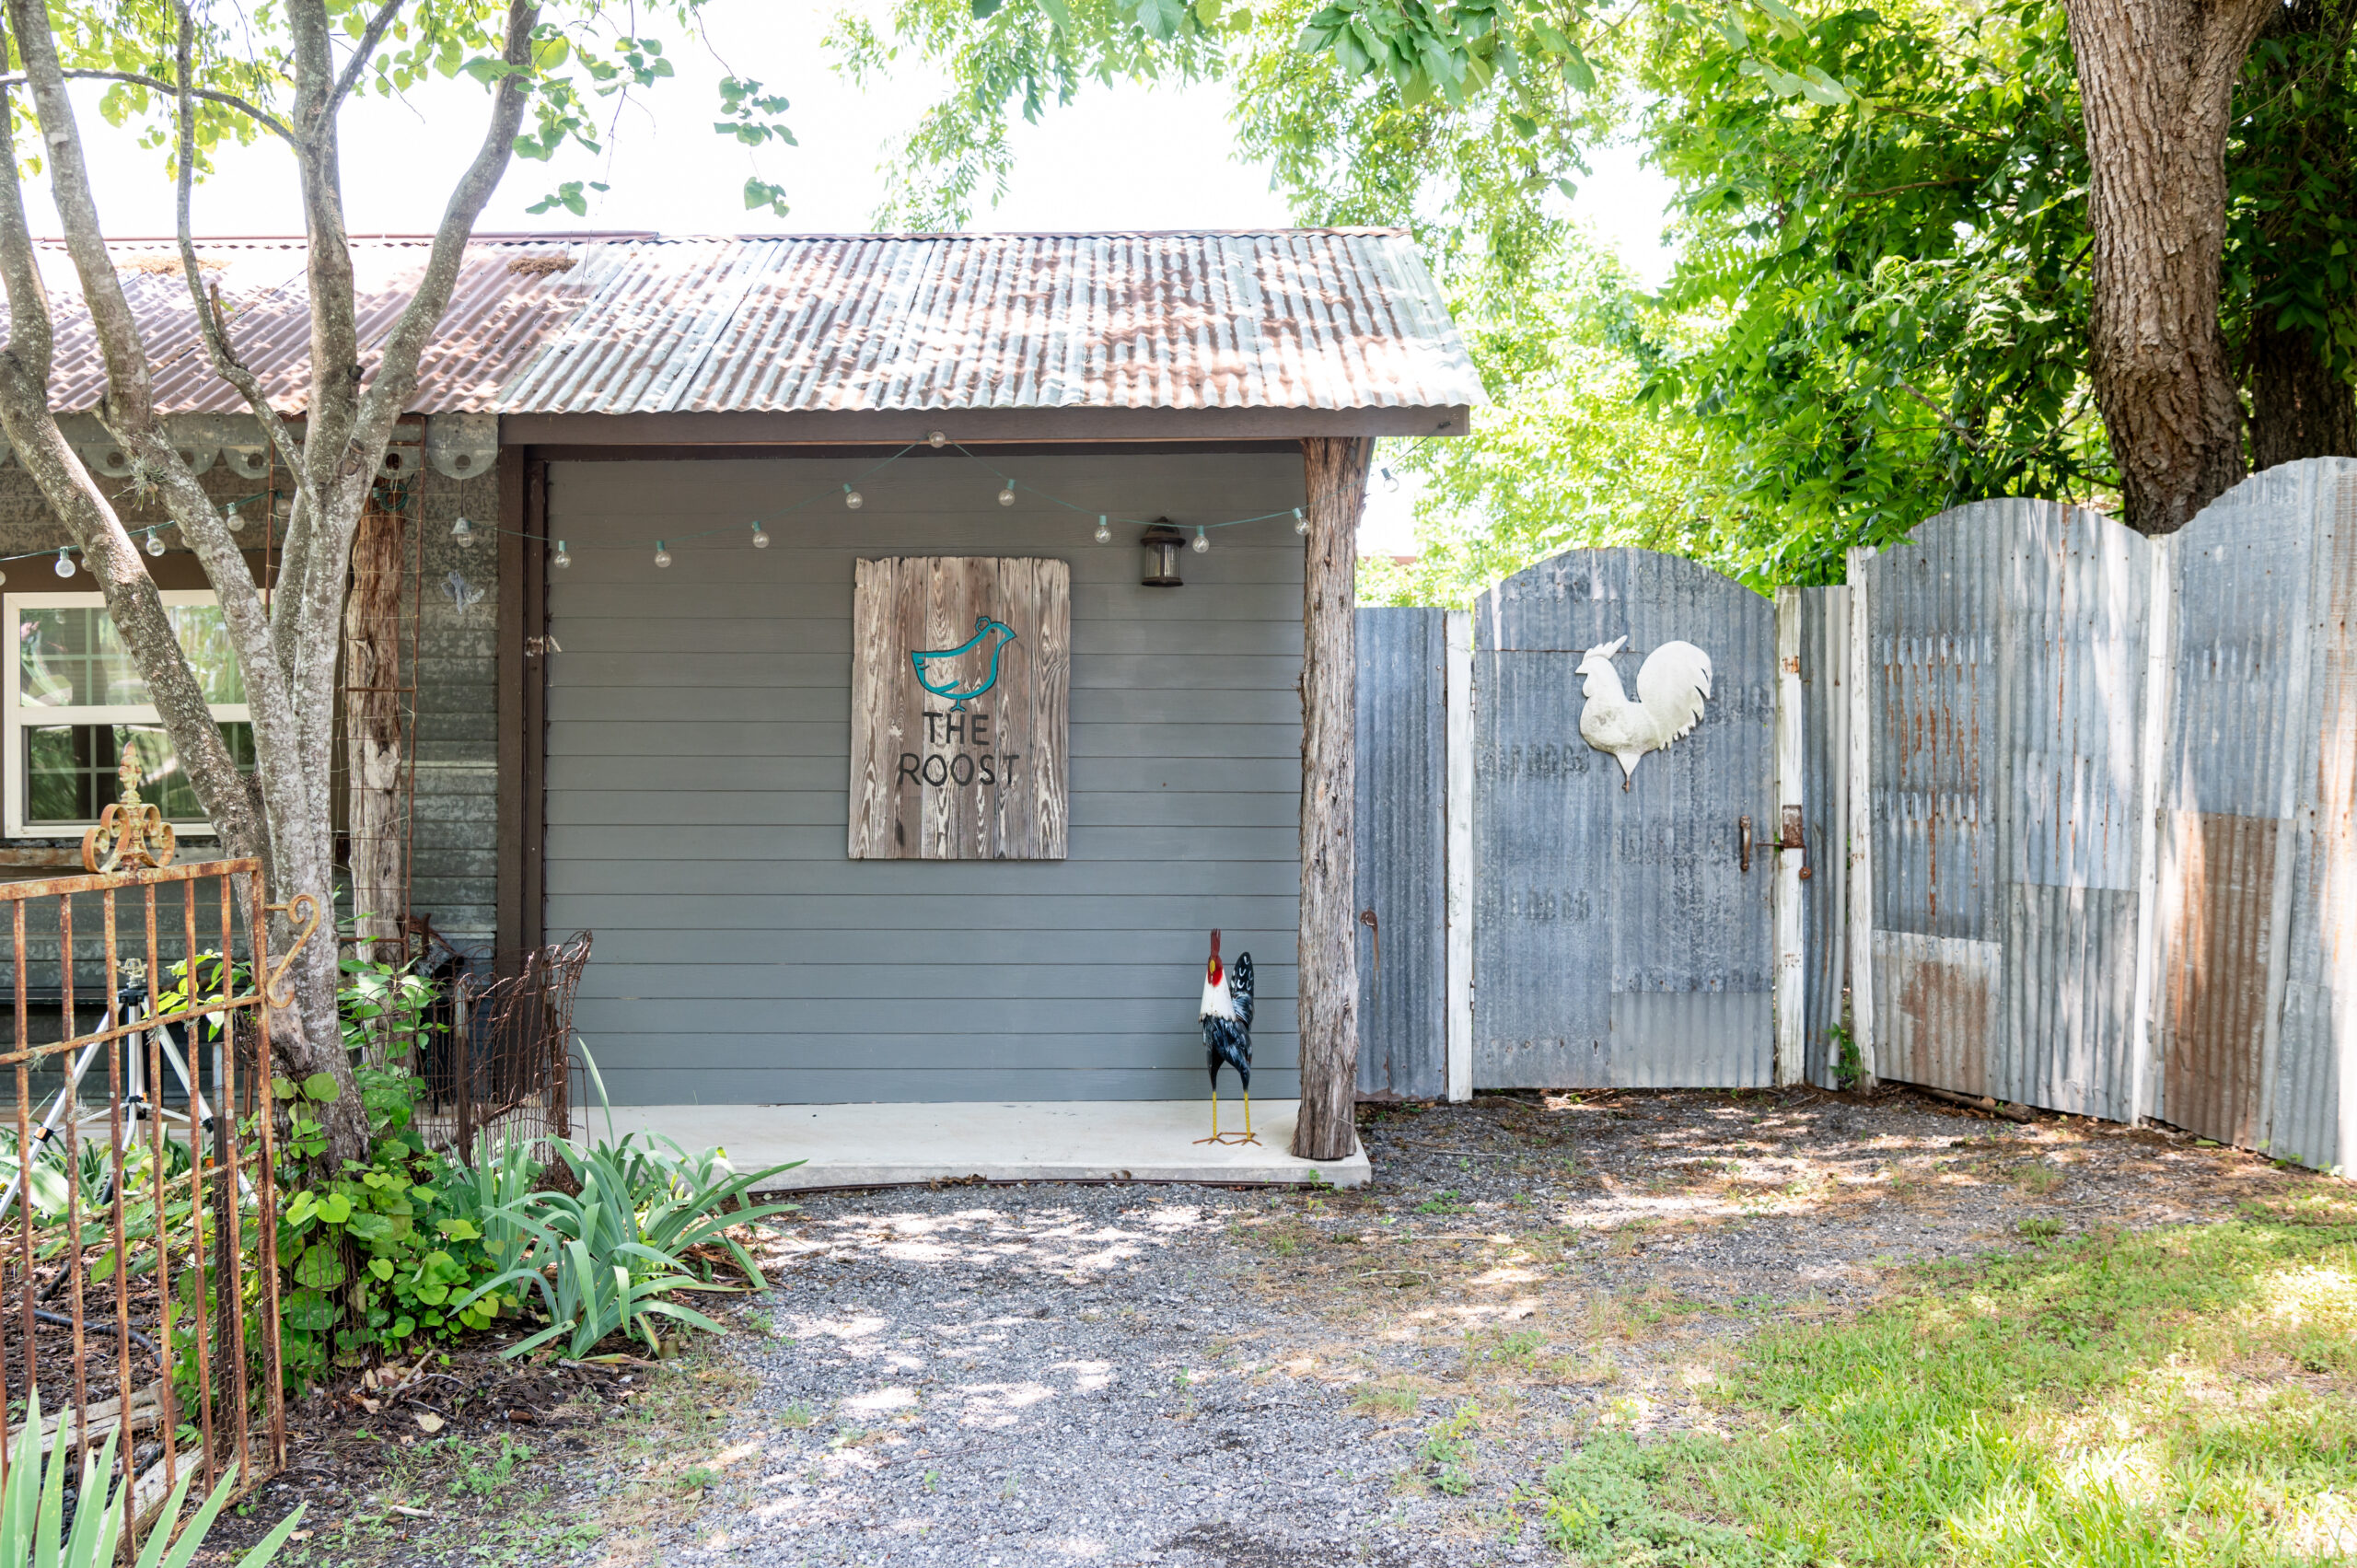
(1402, 853)
(697, 766)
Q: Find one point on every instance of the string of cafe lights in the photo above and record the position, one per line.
(853, 499)
(560, 556)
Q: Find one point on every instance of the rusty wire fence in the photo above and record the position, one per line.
(138, 1201)
(496, 1058)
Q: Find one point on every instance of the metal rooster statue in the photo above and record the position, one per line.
(1228, 1034)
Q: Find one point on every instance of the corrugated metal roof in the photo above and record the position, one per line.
(1309, 319)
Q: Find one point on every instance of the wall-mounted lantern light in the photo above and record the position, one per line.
(1162, 544)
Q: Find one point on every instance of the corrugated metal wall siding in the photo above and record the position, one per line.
(1824, 698)
(1615, 939)
(698, 763)
(2010, 645)
(2255, 994)
(1402, 861)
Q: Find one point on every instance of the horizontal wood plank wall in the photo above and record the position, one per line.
(698, 754)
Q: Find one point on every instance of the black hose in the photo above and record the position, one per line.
(59, 1320)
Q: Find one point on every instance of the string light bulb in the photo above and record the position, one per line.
(761, 537)
(1104, 532)
(1202, 541)
(1300, 522)
(937, 440)
(853, 498)
(662, 554)
(462, 530)
(563, 557)
(154, 542)
(64, 562)
(1006, 496)
(231, 517)
(4, 576)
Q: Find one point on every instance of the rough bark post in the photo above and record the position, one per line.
(2299, 406)
(1336, 468)
(373, 674)
(2156, 82)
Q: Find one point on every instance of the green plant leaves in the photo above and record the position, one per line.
(321, 1268)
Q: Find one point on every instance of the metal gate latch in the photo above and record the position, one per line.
(1793, 836)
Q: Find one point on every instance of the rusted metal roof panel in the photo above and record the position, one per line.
(1327, 318)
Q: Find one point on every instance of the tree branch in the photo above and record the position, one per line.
(370, 37)
(209, 317)
(31, 337)
(130, 413)
(254, 112)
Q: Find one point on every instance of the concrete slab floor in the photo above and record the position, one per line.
(877, 1145)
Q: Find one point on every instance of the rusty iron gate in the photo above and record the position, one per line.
(1622, 922)
(138, 1235)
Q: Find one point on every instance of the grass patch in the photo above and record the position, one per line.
(1374, 1399)
(2176, 1396)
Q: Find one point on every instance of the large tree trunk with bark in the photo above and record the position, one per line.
(2300, 407)
(2156, 80)
(374, 671)
(1326, 1129)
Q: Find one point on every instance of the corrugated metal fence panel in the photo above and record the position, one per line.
(2257, 909)
(2240, 633)
(1825, 751)
(2313, 1119)
(1617, 939)
(2011, 646)
(1402, 804)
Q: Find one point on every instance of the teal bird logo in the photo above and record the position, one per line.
(967, 670)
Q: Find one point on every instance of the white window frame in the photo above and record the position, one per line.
(15, 716)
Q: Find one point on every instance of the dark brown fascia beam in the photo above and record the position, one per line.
(970, 426)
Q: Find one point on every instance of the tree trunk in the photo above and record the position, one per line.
(374, 672)
(1336, 468)
(2299, 408)
(2156, 80)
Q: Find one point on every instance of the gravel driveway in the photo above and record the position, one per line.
(1195, 1377)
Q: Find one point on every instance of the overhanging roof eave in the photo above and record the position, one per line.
(900, 426)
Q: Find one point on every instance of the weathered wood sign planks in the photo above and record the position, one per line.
(960, 708)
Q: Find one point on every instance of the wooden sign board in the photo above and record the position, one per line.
(960, 708)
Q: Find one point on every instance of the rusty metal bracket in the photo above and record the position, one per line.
(303, 907)
(1743, 834)
(1795, 836)
(1366, 918)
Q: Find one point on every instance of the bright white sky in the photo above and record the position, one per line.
(1082, 167)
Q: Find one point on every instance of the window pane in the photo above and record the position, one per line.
(71, 657)
(70, 770)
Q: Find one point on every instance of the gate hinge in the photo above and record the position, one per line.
(534, 648)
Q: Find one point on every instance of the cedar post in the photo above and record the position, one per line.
(1335, 470)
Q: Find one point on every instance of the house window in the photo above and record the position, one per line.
(75, 700)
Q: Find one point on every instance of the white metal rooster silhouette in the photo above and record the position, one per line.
(1672, 685)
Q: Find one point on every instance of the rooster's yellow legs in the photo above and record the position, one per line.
(1214, 1138)
(1244, 1137)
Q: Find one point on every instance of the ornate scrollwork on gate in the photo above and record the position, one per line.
(131, 834)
